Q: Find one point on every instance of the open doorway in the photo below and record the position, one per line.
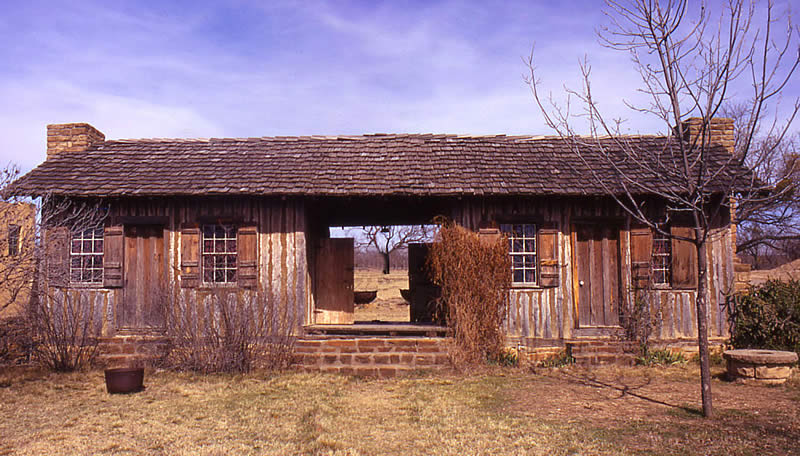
(381, 291)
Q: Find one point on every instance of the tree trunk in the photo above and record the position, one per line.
(385, 262)
(702, 327)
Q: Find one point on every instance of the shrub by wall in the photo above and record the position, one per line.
(768, 317)
(474, 277)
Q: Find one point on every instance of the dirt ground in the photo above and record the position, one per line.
(492, 410)
(389, 305)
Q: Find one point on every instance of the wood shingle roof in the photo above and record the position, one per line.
(374, 165)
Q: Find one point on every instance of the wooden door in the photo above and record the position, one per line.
(597, 274)
(144, 294)
(334, 282)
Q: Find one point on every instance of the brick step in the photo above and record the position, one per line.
(600, 352)
(595, 359)
(362, 359)
(386, 371)
(375, 355)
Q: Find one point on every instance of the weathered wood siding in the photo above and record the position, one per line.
(542, 316)
(283, 277)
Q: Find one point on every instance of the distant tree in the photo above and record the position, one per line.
(387, 239)
(769, 228)
(691, 63)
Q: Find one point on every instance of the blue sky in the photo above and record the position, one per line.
(262, 68)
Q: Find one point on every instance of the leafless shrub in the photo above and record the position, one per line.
(65, 330)
(230, 331)
(64, 324)
(641, 318)
(474, 277)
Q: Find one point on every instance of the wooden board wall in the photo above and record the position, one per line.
(548, 315)
(282, 272)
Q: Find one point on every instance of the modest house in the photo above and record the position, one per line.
(253, 214)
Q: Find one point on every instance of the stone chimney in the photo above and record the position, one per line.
(73, 137)
(719, 131)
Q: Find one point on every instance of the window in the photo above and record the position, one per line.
(86, 256)
(13, 240)
(522, 247)
(219, 253)
(662, 254)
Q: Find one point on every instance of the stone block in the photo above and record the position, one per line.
(773, 372)
(740, 369)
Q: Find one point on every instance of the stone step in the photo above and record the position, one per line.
(371, 355)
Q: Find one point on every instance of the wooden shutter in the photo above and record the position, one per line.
(57, 245)
(190, 257)
(247, 257)
(547, 251)
(113, 248)
(641, 257)
(684, 258)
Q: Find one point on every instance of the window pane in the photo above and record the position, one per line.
(219, 246)
(530, 275)
(530, 245)
(518, 246)
(519, 275)
(230, 245)
(208, 274)
(208, 245)
(530, 231)
(231, 275)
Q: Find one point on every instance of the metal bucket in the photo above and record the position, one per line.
(124, 380)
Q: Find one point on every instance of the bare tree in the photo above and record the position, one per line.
(692, 64)
(387, 239)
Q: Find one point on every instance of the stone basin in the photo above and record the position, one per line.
(759, 366)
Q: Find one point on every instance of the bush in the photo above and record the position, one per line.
(234, 332)
(65, 328)
(474, 277)
(768, 317)
(16, 344)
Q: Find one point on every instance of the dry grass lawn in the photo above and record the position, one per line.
(567, 411)
(389, 305)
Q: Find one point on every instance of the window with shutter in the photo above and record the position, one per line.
(522, 248)
(219, 253)
(86, 256)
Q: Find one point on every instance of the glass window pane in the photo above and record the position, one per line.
(230, 245)
(530, 275)
(208, 245)
(219, 246)
(231, 275)
(517, 246)
(530, 231)
(519, 275)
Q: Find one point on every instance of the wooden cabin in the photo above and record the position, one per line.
(191, 216)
